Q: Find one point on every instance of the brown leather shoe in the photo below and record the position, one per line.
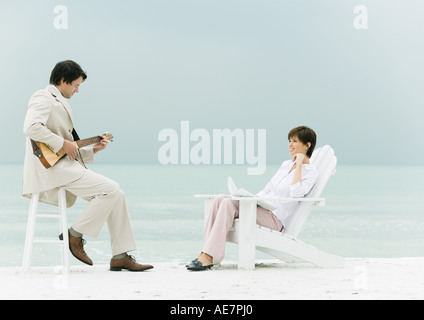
(76, 246)
(128, 263)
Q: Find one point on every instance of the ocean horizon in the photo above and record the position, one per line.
(371, 211)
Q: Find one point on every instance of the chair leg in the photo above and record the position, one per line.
(247, 235)
(208, 206)
(29, 238)
(64, 229)
(32, 216)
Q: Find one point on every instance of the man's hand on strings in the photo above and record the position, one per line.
(101, 145)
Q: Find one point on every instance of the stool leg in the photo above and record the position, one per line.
(32, 216)
(64, 229)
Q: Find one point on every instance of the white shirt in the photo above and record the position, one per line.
(280, 185)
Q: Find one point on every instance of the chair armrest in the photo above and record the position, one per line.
(205, 196)
(317, 201)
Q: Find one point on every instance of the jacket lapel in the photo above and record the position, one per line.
(62, 100)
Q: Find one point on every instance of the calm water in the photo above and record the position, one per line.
(371, 211)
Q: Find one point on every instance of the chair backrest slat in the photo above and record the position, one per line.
(325, 161)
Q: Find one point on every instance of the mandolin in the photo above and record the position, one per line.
(48, 158)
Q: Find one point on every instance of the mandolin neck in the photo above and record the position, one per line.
(88, 141)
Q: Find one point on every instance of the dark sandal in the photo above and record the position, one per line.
(196, 265)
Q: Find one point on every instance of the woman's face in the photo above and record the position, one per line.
(296, 146)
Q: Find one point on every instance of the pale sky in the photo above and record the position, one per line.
(248, 64)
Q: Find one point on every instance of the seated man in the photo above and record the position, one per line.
(49, 120)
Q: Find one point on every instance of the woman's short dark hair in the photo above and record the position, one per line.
(305, 135)
(68, 71)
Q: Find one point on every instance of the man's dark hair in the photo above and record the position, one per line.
(305, 135)
(68, 71)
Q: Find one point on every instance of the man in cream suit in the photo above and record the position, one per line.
(49, 120)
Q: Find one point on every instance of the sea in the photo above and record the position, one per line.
(371, 211)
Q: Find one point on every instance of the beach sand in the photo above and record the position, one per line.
(361, 278)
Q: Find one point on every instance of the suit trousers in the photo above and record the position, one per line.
(106, 203)
(221, 219)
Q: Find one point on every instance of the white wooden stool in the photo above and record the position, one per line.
(63, 223)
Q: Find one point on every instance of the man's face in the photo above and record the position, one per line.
(68, 89)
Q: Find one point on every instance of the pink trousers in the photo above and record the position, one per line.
(220, 220)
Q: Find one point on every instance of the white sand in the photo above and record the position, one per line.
(361, 278)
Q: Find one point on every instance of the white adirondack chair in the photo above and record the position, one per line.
(283, 245)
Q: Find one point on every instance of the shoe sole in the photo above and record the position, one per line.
(120, 269)
(202, 268)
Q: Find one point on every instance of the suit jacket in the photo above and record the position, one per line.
(49, 120)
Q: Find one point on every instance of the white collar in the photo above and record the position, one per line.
(56, 90)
